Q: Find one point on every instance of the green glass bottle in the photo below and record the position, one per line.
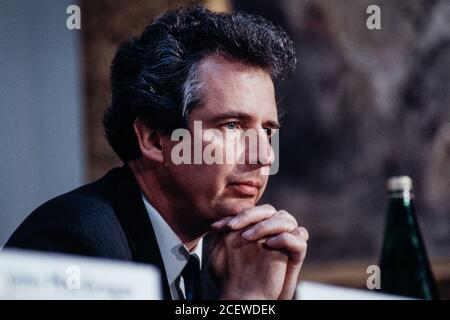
(404, 265)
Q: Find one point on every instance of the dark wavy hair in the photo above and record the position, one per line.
(154, 76)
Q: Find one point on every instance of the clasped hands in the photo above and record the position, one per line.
(258, 254)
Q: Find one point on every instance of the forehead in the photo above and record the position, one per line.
(234, 86)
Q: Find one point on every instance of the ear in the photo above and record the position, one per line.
(150, 142)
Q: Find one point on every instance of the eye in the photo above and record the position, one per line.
(231, 125)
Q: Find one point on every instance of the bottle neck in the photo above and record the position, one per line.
(406, 195)
(400, 210)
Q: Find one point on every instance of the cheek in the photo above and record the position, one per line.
(205, 175)
(199, 180)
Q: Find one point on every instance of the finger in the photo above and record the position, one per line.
(294, 245)
(275, 225)
(222, 222)
(297, 255)
(249, 216)
(290, 281)
(301, 232)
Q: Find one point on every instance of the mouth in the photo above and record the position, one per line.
(246, 188)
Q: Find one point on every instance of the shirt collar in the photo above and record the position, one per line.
(174, 253)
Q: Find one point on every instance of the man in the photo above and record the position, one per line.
(198, 222)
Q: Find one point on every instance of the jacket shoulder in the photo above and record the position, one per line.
(82, 222)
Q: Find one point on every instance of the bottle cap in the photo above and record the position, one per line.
(400, 183)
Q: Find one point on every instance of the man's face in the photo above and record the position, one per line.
(235, 98)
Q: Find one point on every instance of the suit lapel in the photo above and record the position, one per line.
(137, 225)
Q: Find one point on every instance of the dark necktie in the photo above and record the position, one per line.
(191, 277)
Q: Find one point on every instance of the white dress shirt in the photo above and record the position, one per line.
(174, 253)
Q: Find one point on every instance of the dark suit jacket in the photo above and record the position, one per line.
(105, 219)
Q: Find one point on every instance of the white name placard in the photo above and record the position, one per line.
(33, 275)
(308, 290)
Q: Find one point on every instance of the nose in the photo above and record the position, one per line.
(260, 153)
(266, 155)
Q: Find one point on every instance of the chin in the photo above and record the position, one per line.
(235, 206)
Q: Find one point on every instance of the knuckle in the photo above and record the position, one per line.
(304, 232)
(269, 207)
(293, 221)
(283, 213)
(303, 245)
(246, 215)
(288, 216)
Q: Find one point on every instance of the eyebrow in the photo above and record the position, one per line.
(244, 117)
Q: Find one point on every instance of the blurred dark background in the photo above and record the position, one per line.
(362, 106)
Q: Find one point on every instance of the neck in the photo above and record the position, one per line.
(170, 208)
